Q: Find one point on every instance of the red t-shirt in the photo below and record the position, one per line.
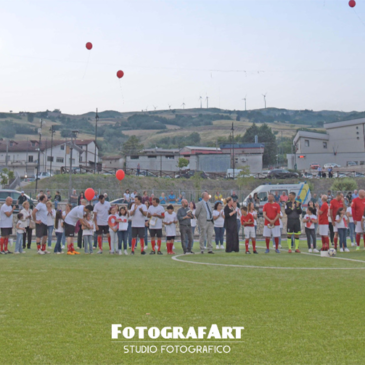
(248, 217)
(272, 210)
(334, 207)
(358, 207)
(323, 218)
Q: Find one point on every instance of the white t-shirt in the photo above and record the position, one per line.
(126, 196)
(112, 219)
(22, 224)
(238, 210)
(342, 222)
(219, 222)
(75, 214)
(132, 197)
(60, 229)
(310, 225)
(156, 210)
(102, 211)
(50, 217)
(254, 214)
(27, 215)
(6, 222)
(171, 228)
(89, 232)
(351, 219)
(123, 226)
(193, 221)
(138, 219)
(41, 214)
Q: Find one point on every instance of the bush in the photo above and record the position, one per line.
(346, 184)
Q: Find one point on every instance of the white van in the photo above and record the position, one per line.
(301, 190)
(230, 173)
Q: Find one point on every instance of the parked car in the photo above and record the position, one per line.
(118, 201)
(339, 174)
(44, 175)
(314, 166)
(4, 193)
(307, 175)
(190, 173)
(282, 174)
(351, 163)
(147, 173)
(333, 165)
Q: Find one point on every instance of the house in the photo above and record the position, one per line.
(342, 143)
(196, 150)
(112, 162)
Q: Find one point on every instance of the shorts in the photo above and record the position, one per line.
(335, 229)
(249, 232)
(69, 229)
(41, 230)
(323, 230)
(156, 232)
(170, 238)
(6, 232)
(268, 232)
(293, 226)
(138, 231)
(358, 227)
(102, 229)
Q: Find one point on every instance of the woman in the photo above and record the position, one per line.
(351, 225)
(81, 197)
(64, 214)
(27, 216)
(51, 215)
(192, 207)
(256, 200)
(218, 218)
(145, 197)
(230, 224)
(57, 199)
(251, 209)
(312, 205)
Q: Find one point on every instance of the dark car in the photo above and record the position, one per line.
(282, 174)
(191, 173)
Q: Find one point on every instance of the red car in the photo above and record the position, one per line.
(314, 166)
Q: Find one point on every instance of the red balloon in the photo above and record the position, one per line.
(89, 194)
(120, 74)
(120, 175)
(89, 45)
(352, 3)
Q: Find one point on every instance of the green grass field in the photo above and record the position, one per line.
(58, 309)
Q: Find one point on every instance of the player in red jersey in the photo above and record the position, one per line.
(358, 208)
(248, 222)
(323, 223)
(271, 213)
(335, 205)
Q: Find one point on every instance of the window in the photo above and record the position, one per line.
(306, 142)
(50, 158)
(362, 162)
(4, 195)
(80, 159)
(170, 157)
(152, 156)
(262, 196)
(30, 158)
(59, 159)
(73, 161)
(324, 144)
(62, 147)
(134, 157)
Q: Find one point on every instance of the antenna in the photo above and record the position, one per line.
(201, 102)
(207, 101)
(264, 95)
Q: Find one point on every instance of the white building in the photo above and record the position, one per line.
(342, 143)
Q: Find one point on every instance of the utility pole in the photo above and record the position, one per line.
(245, 103)
(96, 136)
(264, 95)
(39, 153)
(232, 129)
(73, 137)
(52, 133)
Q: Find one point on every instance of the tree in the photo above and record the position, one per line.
(346, 184)
(132, 146)
(244, 177)
(30, 117)
(183, 162)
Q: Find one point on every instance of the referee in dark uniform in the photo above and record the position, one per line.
(293, 211)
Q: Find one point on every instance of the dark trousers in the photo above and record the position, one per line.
(79, 238)
(311, 237)
(185, 231)
(219, 233)
(27, 233)
(95, 240)
(332, 234)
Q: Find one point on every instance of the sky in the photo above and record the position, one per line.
(303, 54)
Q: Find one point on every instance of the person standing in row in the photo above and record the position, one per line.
(230, 225)
(323, 223)
(39, 215)
(184, 216)
(58, 224)
(358, 208)
(27, 214)
(271, 212)
(101, 213)
(20, 229)
(293, 210)
(342, 225)
(218, 217)
(156, 213)
(170, 221)
(51, 215)
(6, 224)
(204, 214)
(351, 225)
(88, 234)
(113, 229)
(138, 213)
(248, 223)
(123, 229)
(310, 219)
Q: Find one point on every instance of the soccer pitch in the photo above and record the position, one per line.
(295, 308)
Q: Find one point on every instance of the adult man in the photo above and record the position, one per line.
(358, 207)
(49, 196)
(156, 212)
(329, 196)
(22, 198)
(284, 198)
(101, 213)
(106, 197)
(250, 200)
(277, 197)
(40, 194)
(335, 205)
(293, 210)
(39, 215)
(138, 213)
(319, 172)
(76, 214)
(6, 224)
(73, 198)
(314, 199)
(184, 219)
(323, 223)
(234, 196)
(355, 194)
(171, 198)
(271, 212)
(204, 215)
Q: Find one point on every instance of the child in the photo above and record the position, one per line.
(88, 234)
(248, 222)
(113, 228)
(310, 219)
(122, 230)
(170, 225)
(342, 225)
(58, 223)
(20, 229)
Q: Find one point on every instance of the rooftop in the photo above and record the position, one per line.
(313, 135)
(345, 123)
